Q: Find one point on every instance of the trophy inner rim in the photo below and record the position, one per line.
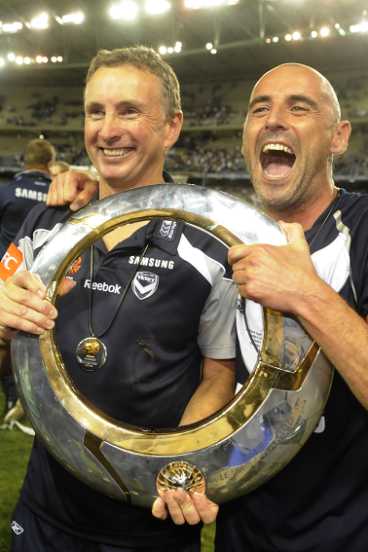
(186, 439)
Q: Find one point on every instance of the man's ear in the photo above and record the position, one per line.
(173, 129)
(340, 139)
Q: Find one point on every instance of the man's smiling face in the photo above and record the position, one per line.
(127, 131)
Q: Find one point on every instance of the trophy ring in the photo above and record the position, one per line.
(226, 455)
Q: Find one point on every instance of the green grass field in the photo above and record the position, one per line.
(15, 447)
(14, 451)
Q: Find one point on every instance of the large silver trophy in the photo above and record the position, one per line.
(228, 454)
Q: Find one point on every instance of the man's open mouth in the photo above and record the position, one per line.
(277, 160)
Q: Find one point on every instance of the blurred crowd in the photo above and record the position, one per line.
(213, 120)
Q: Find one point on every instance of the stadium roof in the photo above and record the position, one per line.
(249, 37)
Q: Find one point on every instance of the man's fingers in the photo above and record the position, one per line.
(239, 276)
(71, 187)
(55, 196)
(159, 510)
(174, 506)
(294, 233)
(184, 507)
(206, 509)
(27, 281)
(23, 305)
(237, 252)
(28, 322)
(50, 200)
(27, 290)
(189, 510)
(85, 195)
(18, 316)
(69, 184)
(181, 507)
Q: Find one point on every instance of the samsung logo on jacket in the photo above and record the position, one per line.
(30, 194)
(151, 262)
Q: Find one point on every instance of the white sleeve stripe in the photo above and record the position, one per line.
(208, 267)
(333, 262)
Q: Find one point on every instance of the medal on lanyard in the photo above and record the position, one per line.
(91, 351)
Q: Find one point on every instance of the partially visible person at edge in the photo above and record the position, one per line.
(292, 132)
(25, 190)
(177, 365)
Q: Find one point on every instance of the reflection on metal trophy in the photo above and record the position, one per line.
(226, 455)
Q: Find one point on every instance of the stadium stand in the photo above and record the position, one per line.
(209, 149)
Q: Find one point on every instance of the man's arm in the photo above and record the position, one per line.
(76, 188)
(284, 278)
(215, 390)
(342, 334)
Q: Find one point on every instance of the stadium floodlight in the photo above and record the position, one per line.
(324, 32)
(313, 34)
(288, 37)
(275, 39)
(39, 59)
(73, 18)
(2, 62)
(213, 51)
(209, 46)
(60, 59)
(27, 60)
(340, 30)
(157, 7)
(11, 28)
(11, 56)
(361, 27)
(39, 22)
(176, 49)
(19, 60)
(296, 35)
(126, 10)
(200, 4)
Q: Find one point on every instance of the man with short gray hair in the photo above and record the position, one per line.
(177, 341)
